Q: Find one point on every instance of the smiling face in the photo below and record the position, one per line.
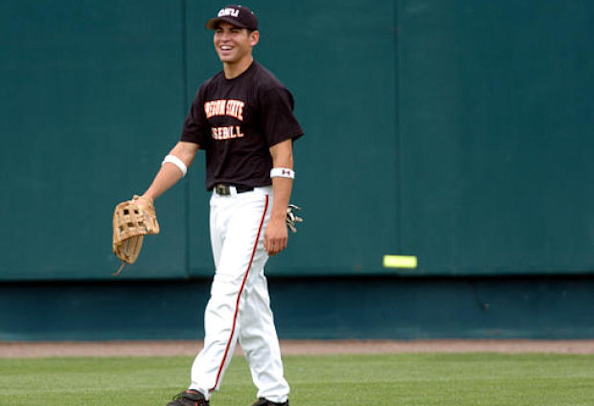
(234, 45)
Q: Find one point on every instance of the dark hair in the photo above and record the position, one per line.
(249, 30)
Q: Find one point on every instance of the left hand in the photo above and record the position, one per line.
(275, 237)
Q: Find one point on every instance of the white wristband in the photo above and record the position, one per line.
(282, 173)
(172, 159)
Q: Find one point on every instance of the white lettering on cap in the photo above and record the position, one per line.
(228, 12)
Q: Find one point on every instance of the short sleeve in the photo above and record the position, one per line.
(278, 120)
(196, 127)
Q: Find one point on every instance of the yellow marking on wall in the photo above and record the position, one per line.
(400, 261)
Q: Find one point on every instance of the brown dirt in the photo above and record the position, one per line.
(190, 348)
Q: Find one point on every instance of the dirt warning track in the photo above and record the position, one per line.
(19, 349)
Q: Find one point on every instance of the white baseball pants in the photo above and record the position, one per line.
(239, 304)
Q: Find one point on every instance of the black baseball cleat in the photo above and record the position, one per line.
(264, 402)
(189, 398)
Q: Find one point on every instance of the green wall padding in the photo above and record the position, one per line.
(459, 132)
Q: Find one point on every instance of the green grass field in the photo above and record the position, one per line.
(330, 380)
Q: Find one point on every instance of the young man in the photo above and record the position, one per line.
(242, 117)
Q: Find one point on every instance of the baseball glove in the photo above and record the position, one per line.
(130, 224)
(292, 218)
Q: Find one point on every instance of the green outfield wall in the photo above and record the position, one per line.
(308, 308)
(459, 132)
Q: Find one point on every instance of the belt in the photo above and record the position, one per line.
(225, 190)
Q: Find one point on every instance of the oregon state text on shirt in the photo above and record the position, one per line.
(223, 107)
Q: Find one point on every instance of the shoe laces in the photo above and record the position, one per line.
(192, 396)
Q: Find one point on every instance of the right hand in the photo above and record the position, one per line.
(144, 202)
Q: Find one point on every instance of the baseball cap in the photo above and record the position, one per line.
(237, 15)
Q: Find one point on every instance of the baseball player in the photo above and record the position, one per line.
(243, 118)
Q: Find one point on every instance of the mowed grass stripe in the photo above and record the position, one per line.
(478, 379)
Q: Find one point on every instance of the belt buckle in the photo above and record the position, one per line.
(222, 190)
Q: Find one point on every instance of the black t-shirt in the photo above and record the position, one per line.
(236, 121)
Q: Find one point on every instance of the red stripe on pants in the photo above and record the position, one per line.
(239, 297)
